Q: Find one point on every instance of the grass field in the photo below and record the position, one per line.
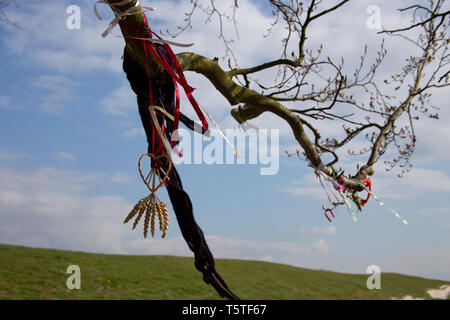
(30, 273)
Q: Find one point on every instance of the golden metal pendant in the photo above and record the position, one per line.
(151, 205)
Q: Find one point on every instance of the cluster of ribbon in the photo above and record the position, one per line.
(349, 195)
(177, 74)
(346, 195)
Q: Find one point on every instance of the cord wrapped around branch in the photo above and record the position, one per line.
(163, 92)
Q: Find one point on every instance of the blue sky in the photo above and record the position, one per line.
(70, 137)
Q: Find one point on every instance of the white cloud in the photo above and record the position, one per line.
(267, 259)
(315, 192)
(57, 48)
(384, 184)
(59, 90)
(332, 230)
(120, 102)
(6, 155)
(430, 143)
(321, 246)
(5, 102)
(434, 211)
(248, 249)
(168, 246)
(418, 181)
(120, 177)
(50, 208)
(307, 186)
(65, 156)
(133, 132)
(228, 248)
(251, 23)
(433, 264)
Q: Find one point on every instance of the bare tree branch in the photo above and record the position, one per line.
(321, 89)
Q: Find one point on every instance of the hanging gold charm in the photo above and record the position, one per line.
(151, 205)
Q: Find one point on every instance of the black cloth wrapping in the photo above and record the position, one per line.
(163, 94)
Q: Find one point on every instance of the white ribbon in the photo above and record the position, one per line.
(328, 191)
(349, 207)
(381, 203)
(220, 131)
(119, 15)
(321, 174)
(155, 40)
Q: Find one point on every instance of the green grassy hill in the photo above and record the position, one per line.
(29, 273)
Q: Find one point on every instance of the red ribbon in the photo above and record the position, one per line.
(368, 185)
(178, 78)
(330, 211)
(181, 79)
